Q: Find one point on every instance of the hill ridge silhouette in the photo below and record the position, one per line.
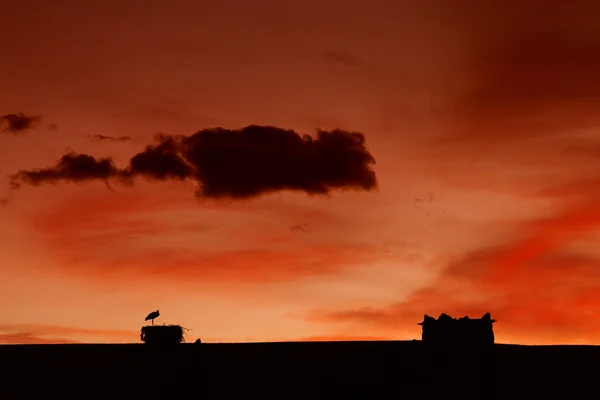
(368, 369)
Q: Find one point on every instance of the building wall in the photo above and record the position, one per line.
(462, 331)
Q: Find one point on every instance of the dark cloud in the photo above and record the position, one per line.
(544, 80)
(163, 161)
(524, 92)
(108, 138)
(71, 167)
(19, 122)
(529, 69)
(226, 163)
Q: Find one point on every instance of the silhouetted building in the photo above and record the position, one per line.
(448, 331)
(461, 350)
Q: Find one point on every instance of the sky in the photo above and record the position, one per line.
(454, 167)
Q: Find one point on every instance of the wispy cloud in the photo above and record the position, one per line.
(536, 286)
(19, 122)
(108, 138)
(53, 334)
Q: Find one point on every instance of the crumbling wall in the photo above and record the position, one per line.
(448, 331)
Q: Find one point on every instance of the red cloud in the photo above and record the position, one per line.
(339, 338)
(537, 290)
(546, 236)
(30, 338)
(115, 235)
(53, 334)
(242, 266)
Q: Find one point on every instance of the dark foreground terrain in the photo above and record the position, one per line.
(361, 370)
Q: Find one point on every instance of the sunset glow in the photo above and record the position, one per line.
(482, 122)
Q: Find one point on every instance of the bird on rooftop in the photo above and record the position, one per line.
(152, 315)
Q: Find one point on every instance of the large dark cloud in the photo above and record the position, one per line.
(19, 122)
(240, 163)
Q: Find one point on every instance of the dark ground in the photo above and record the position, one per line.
(297, 370)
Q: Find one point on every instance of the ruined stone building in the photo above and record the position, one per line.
(448, 331)
(460, 354)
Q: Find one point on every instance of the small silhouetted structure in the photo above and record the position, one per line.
(465, 331)
(152, 316)
(461, 349)
(198, 341)
(162, 334)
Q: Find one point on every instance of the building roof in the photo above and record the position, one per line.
(445, 317)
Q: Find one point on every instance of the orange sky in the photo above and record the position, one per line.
(492, 110)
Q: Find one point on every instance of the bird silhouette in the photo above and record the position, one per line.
(152, 315)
